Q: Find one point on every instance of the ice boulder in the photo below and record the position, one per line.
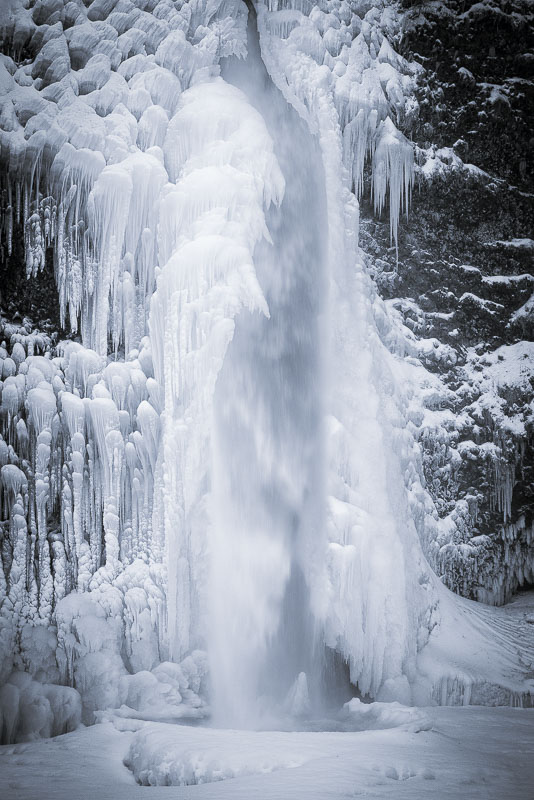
(379, 716)
(31, 710)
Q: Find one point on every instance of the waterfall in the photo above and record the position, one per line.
(267, 541)
(226, 467)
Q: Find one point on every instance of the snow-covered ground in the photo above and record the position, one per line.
(469, 752)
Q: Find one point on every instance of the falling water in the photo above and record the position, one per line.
(267, 542)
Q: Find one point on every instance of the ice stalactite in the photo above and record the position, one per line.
(393, 162)
(370, 84)
(82, 137)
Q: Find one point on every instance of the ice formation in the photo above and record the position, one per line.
(225, 457)
(161, 757)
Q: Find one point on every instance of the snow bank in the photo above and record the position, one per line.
(485, 749)
(162, 756)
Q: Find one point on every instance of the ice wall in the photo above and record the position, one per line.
(91, 170)
(379, 616)
(370, 523)
(84, 123)
(342, 49)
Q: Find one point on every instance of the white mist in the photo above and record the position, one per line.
(267, 540)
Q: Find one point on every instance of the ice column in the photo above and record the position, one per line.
(268, 536)
(219, 153)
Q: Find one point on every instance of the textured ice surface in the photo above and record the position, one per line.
(31, 710)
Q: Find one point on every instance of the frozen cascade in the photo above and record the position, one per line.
(218, 205)
(267, 540)
(227, 458)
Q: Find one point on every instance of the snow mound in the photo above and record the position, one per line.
(168, 755)
(379, 716)
(478, 655)
(164, 755)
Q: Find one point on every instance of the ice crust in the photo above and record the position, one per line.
(152, 179)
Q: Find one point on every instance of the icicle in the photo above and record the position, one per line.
(392, 165)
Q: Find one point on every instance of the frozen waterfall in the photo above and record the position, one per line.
(212, 491)
(267, 536)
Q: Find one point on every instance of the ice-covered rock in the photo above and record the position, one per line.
(377, 716)
(30, 709)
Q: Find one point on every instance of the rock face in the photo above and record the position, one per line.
(463, 278)
(36, 299)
